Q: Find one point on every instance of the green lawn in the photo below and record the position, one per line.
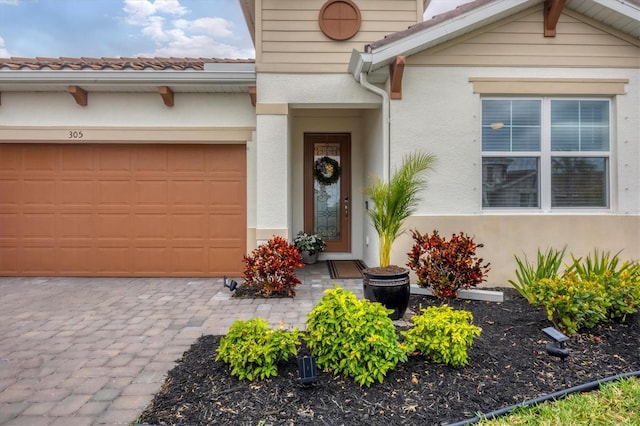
(617, 403)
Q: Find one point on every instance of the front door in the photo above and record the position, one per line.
(327, 188)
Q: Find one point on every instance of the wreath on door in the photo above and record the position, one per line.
(326, 170)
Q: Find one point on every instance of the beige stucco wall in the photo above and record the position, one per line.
(440, 113)
(127, 110)
(507, 235)
(289, 105)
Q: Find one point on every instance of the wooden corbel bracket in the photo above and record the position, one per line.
(252, 95)
(552, 12)
(79, 94)
(167, 95)
(396, 71)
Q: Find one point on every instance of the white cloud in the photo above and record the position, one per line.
(4, 53)
(154, 29)
(199, 46)
(12, 2)
(213, 26)
(139, 11)
(181, 37)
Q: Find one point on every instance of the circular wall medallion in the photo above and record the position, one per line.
(339, 19)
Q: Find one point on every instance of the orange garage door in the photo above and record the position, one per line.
(122, 210)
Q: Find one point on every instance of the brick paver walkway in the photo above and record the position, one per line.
(91, 351)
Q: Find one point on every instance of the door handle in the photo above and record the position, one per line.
(346, 207)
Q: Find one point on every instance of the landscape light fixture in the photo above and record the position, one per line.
(556, 349)
(307, 369)
(231, 285)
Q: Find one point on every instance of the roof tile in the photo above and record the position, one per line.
(117, 64)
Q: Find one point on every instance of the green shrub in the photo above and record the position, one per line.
(443, 334)
(528, 274)
(353, 337)
(589, 291)
(252, 349)
(621, 283)
(570, 302)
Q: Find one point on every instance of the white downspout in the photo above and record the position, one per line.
(386, 145)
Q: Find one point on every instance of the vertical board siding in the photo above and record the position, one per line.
(520, 42)
(291, 39)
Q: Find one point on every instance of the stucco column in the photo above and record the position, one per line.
(273, 209)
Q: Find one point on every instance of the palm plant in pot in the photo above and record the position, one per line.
(394, 201)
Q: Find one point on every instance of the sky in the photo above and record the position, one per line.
(132, 28)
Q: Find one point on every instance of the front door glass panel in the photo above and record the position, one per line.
(326, 189)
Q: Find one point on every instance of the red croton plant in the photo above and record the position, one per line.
(446, 265)
(269, 269)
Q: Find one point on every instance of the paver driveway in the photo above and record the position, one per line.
(87, 351)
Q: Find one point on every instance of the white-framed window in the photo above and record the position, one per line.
(546, 153)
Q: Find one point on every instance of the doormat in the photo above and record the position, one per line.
(345, 269)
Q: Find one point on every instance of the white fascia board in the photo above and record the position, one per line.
(622, 7)
(230, 67)
(129, 77)
(419, 41)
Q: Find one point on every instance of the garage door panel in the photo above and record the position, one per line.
(151, 193)
(76, 158)
(75, 260)
(225, 259)
(113, 159)
(38, 225)
(227, 193)
(189, 227)
(151, 160)
(9, 192)
(75, 225)
(10, 159)
(188, 193)
(113, 226)
(37, 158)
(224, 227)
(39, 192)
(43, 260)
(226, 162)
(75, 193)
(151, 260)
(9, 260)
(113, 192)
(122, 210)
(188, 160)
(9, 226)
(189, 260)
(151, 226)
(113, 260)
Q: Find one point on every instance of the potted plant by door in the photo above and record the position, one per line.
(393, 202)
(310, 246)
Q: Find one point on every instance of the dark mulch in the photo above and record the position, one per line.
(508, 365)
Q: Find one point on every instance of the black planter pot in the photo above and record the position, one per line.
(392, 289)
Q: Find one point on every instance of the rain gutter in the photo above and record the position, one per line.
(234, 75)
(385, 123)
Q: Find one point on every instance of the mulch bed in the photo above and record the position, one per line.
(508, 364)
